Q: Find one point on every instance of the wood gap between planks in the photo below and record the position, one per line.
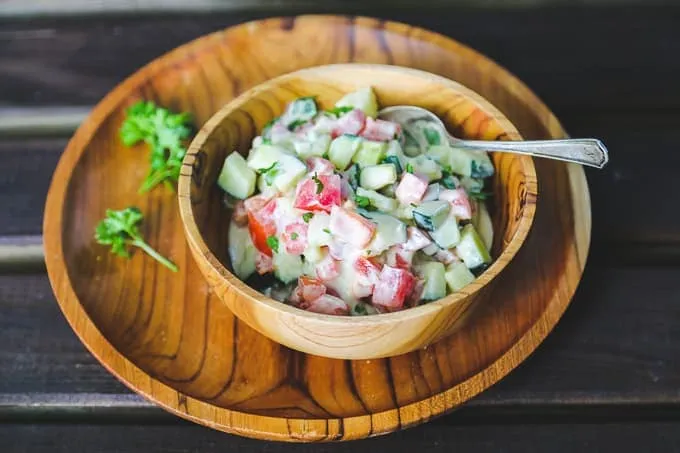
(130, 409)
(13, 9)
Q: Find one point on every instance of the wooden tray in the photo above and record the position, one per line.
(167, 338)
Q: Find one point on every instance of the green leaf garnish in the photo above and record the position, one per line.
(409, 168)
(294, 236)
(307, 216)
(394, 160)
(166, 134)
(359, 310)
(273, 243)
(119, 230)
(364, 202)
(326, 230)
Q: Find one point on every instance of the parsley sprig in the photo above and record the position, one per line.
(166, 134)
(119, 230)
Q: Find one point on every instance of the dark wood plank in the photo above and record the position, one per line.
(27, 168)
(605, 58)
(616, 347)
(624, 195)
(437, 436)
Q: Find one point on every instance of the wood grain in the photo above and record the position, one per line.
(171, 340)
(608, 351)
(233, 128)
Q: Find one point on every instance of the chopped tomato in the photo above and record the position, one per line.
(410, 189)
(350, 227)
(460, 203)
(263, 263)
(320, 166)
(329, 305)
(416, 293)
(319, 193)
(416, 239)
(240, 215)
(350, 123)
(294, 238)
(311, 288)
(399, 257)
(380, 130)
(367, 272)
(393, 287)
(262, 224)
(327, 269)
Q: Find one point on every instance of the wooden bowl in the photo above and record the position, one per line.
(234, 126)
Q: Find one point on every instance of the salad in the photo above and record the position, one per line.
(354, 215)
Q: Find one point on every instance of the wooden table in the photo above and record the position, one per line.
(608, 376)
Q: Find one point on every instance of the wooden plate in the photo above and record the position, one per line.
(168, 338)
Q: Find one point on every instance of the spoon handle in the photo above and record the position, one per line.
(585, 151)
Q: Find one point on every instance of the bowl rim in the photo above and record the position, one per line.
(195, 238)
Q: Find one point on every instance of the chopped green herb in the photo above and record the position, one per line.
(294, 125)
(481, 196)
(269, 173)
(294, 236)
(432, 136)
(409, 168)
(307, 216)
(359, 310)
(119, 230)
(319, 184)
(394, 160)
(449, 181)
(273, 243)
(414, 205)
(361, 201)
(166, 134)
(477, 171)
(339, 111)
(326, 230)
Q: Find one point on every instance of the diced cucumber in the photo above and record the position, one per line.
(431, 249)
(388, 232)
(394, 151)
(435, 283)
(318, 231)
(376, 176)
(458, 276)
(363, 99)
(287, 267)
(482, 222)
(289, 170)
(427, 167)
(440, 154)
(342, 150)
(236, 178)
(432, 192)
(389, 190)
(379, 201)
(472, 185)
(412, 151)
(352, 175)
(404, 211)
(471, 163)
(471, 248)
(370, 153)
(264, 156)
(448, 234)
(242, 251)
(317, 146)
(431, 214)
(300, 111)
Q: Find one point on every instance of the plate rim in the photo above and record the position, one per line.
(282, 428)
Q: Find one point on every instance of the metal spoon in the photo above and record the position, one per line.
(585, 151)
